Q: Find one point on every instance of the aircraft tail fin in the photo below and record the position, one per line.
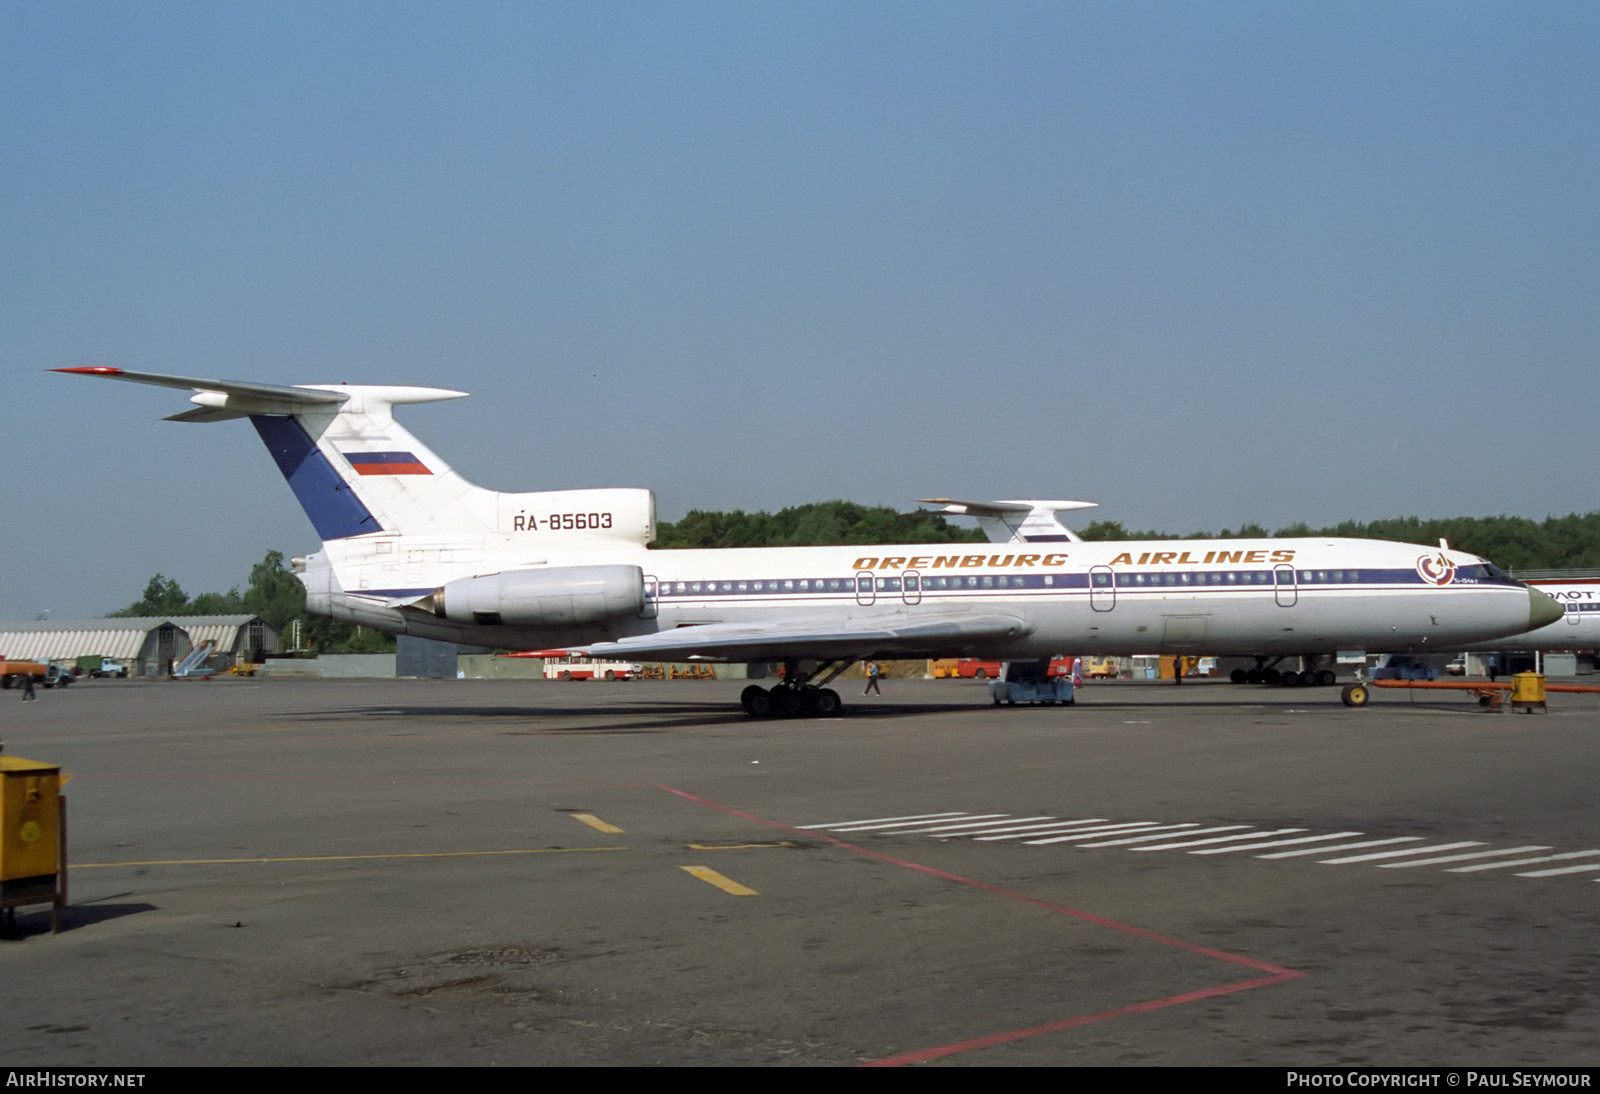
(356, 471)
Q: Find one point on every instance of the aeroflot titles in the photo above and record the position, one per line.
(1147, 558)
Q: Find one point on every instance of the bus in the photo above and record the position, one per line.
(566, 665)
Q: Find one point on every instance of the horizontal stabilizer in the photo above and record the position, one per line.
(270, 392)
(206, 414)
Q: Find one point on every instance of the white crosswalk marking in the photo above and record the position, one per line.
(1343, 847)
(1396, 854)
(947, 829)
(1091, 833)
(880, 825)
(1520, 862)
(1459, 858)
(1057, 826)
(882, 820)
(1217, 839)
(1275, 843)
(1165, 831)
(1202, 838)
(1585, 868)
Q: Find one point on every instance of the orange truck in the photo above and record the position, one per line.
(16, 672)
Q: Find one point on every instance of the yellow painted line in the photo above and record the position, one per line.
(706, 874)
(738, 846)
(337, 858)
(595, 822)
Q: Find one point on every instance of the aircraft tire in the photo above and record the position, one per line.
(1326, 677)
(1271, 677)
(1255, 676)
(786, 702)
(1239, 676)
(1354, 695)
(747, 697)
(760, 704)
(827, 703)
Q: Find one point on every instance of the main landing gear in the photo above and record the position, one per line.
(1265, 674)
(798, 696)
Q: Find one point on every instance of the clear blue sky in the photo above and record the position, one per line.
(1202, 263)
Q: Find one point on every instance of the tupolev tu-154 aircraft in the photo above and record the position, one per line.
(411, 547)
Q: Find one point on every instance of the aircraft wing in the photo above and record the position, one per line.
(899, 634)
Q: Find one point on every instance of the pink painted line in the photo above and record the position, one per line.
(923, 1055)
(1276, 974)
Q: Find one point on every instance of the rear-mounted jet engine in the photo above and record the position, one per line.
(555, 597)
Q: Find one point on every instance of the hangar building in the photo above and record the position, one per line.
(149, 645)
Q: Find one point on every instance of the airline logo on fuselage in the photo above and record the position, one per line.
(1436, 569)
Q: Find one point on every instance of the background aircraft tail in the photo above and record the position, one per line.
(1022, 521)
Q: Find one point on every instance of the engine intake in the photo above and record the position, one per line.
(557, 597)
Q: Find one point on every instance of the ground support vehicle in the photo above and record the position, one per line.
(16, 672)
(1030, 682)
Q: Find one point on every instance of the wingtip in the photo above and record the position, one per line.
(91, 370)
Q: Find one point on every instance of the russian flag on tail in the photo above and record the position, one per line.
(386, 463)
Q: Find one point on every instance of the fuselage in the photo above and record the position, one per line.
(1267, 596)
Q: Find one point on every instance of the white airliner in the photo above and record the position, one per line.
(410, 547)
(1577, 629)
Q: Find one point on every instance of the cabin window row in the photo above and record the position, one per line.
(930, 583)
(911, 583)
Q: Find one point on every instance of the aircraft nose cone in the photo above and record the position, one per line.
(1543, 610)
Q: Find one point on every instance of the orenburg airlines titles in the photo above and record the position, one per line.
(967, 562)
(1146, 558)
(1435, 569)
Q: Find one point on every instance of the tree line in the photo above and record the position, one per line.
(819, 524)
(1515, 543)
(1570, 542)
(273, 593)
